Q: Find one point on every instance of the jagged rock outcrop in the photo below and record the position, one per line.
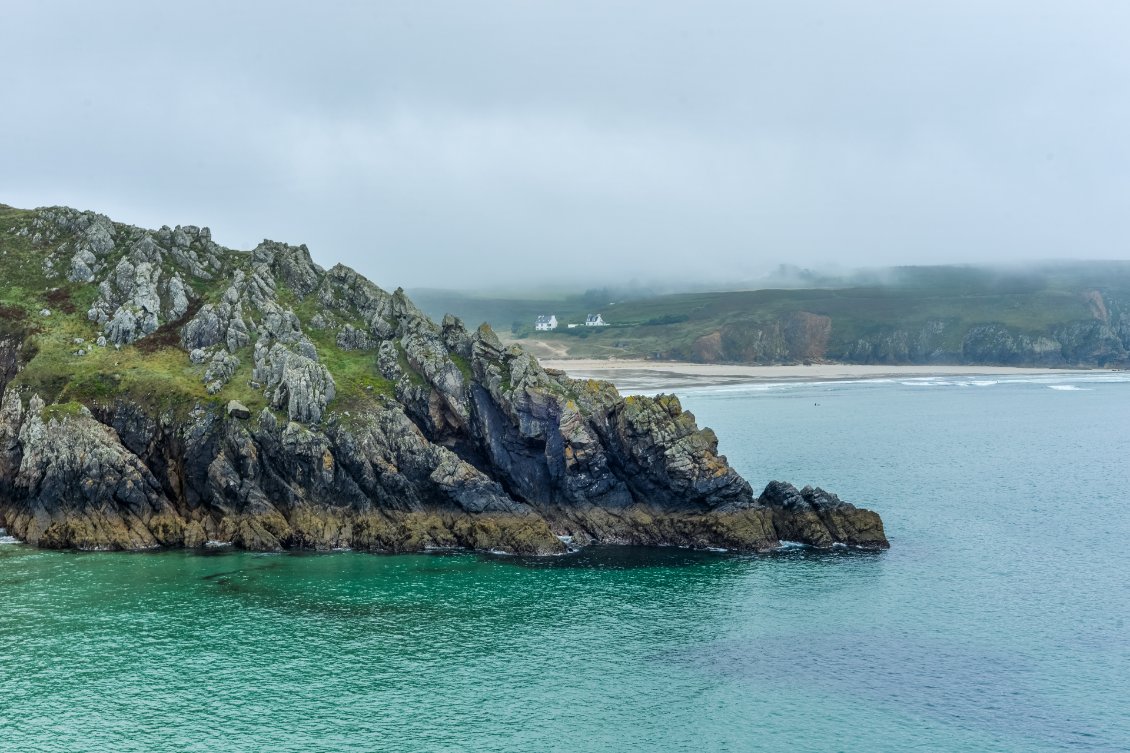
(81, 487)
(145, 288)
(295, 381)
(818, 517)
(300, 407)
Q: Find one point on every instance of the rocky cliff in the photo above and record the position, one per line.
(157, 389)
(1092, 330)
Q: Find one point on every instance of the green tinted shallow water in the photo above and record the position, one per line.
(998, 622)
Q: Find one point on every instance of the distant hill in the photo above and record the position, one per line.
(1054, 314)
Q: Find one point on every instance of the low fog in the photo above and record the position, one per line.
(502, 144)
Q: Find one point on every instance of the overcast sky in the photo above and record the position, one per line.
(465, 143)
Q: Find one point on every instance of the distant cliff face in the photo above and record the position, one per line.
(794, 338)
(157, 389)
(1103, 340)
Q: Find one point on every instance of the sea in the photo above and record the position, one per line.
(999, 620)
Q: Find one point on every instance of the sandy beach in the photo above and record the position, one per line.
(630, 373)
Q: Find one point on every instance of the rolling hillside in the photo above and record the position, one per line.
(1069, 314)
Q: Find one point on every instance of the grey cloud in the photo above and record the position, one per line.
(464, 143)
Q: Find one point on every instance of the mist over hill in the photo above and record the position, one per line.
(1060, 313)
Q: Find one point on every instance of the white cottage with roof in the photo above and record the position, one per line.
(545, 322)
(595, 320)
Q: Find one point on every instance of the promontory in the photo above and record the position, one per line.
(159, 390)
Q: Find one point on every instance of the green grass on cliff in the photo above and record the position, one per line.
(153, 372)
(24, 283)
(356, 378)
(56, 371)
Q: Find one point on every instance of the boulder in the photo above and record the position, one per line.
(238, 410)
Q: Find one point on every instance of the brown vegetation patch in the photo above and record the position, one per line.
(60, 298)
(11, 314)
(168, 334)
(13, 322)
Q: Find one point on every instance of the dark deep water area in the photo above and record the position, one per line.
(998, 621)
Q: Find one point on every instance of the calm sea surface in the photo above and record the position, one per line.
(999, 620)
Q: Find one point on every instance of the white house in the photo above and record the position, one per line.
(595, 320)
(545, 322)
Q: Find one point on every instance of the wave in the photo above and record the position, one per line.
(754, 388)
(825, 385)
(1083, 378)
(6, 539)
(1068, 388)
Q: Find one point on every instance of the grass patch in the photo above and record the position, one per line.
(357, 380)
(464, 367)
(13, 321)
(61, 410)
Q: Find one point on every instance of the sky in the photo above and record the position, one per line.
(489, 144)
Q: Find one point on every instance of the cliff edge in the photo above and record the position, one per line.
(157, 389)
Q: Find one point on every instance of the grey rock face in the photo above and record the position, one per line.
(994, 343)
(83, 265)
(350, 338)
(178, 297)
(295, 382)
(222, 322)
(80, 487)
(86, 236)
(455, 337)
(344, 291)
(192, 250)
(291, 265)
(280, 323)
(128, 304)
(216, 323)
(222, 368)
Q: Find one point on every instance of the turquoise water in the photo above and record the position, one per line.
(997, 622)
